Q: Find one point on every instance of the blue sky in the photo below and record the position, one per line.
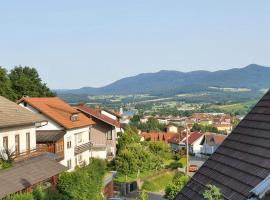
(92, 43)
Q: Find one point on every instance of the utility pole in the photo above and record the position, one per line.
(187, 148)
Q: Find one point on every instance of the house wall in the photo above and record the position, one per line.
(98, 137)
(207, 149)
(21, 131)
(196, 146)
(172, 129)
(108, 114)
(69, 152)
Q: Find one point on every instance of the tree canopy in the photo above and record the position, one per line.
(22, 81)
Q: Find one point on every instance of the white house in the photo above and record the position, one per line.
(17, 127)
(194, 142)
(30, 166)
(67, 133)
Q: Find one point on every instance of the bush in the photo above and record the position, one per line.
(212, 193)
(39, 193)
(84, 183)
(20, 196)
(177, 184)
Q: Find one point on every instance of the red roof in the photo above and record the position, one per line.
(193, 137)
(96, 113)
(58, 111)
(176, 139)
(158, 136)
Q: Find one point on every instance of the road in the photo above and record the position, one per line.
(195, 161)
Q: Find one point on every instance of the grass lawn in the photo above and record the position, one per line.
(237, 107)
(133, 177)
(159, 182)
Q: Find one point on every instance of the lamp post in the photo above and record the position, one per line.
(187, 148)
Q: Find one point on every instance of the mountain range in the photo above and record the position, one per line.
(166, 82)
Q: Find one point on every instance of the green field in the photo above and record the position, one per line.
(158, 183)
(234, 108)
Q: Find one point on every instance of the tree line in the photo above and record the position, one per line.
(22, 81)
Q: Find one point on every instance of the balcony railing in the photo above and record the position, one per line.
(23, 155)
(82, 148)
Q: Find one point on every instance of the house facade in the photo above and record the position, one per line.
(67, 132)
(18, 138)
(211, 142)
(104, 132)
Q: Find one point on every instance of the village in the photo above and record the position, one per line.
(49, 137)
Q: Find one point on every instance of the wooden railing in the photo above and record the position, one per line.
(28, 154)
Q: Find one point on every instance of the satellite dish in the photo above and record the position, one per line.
(5, 156)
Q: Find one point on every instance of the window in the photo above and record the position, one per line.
(28, 141)
(68, 142)
(69, 164)
(109, 135)
(74, 117)
(5, 142)
(79, 138)
(17, 144)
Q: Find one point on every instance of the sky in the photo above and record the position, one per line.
(79, 43)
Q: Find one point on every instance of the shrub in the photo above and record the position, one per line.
(212, 193)
(20, 196)
(39, 193)
(84, 183)
(178, 182)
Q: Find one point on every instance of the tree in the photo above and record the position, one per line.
(25, 81)
(212, 193)
(177, 184)
(84, 183)
(144, 195)
(129, 136)
(5, 85)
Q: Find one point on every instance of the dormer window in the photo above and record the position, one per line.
(74, 117)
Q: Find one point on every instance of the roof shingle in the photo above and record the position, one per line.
(59, 111)
(241, 162)
(12, 115)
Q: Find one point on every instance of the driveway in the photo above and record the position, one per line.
(195, 161)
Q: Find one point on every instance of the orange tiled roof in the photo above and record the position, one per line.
(58, 111)
(157, 136)
(96, 113)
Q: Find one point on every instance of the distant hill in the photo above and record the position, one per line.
(173, 82)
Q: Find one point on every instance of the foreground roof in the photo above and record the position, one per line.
(241, 162)
(58, 111)
(96, 113)
(12, 115)
(28, 173)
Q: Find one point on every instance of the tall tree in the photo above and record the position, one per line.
(5, 85)
(25, 81)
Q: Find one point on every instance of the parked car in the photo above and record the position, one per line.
(193, 168)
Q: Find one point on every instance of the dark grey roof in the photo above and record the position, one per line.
(28, 172)
(12, 115)
(49, 136)
(241, 162)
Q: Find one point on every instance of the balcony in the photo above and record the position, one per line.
(82, 148)
(24, 155)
